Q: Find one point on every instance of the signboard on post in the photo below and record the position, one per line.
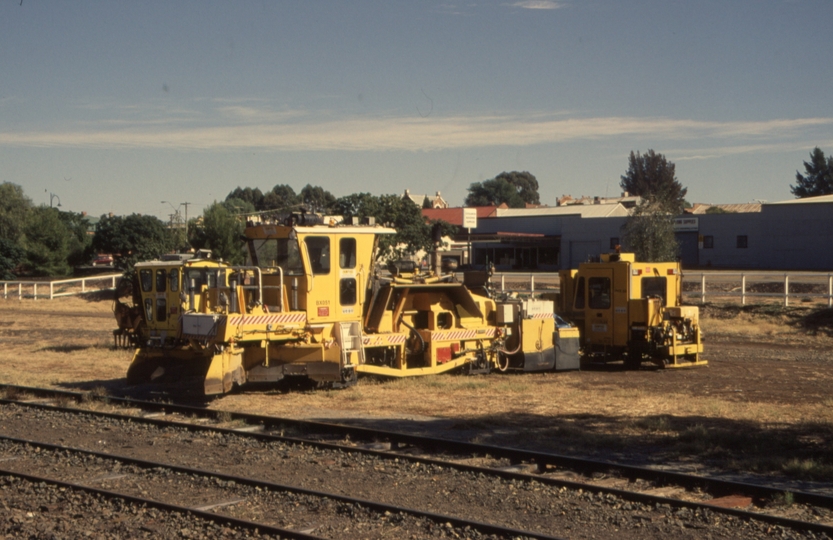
(470, 218)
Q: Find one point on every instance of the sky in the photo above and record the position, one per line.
(118, 106)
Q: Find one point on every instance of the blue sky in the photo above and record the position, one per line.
(117, 106)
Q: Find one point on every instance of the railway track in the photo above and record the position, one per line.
(521, 491)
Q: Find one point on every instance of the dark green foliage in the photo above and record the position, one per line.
(316, 199)
(47, 243)
(251, 196)
(281, 197)
(651, 177)
(718, 210)
(80, 241)
(525, 184)
(493, 192)
(516, 189)
(132, 239)
(11, 257)
(412, 233)
(649, 233)
(426, 203)
(14, 212)
(220, 232)
(819, 177)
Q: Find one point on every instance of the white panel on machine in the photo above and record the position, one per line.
(199, 324)
(534, 308)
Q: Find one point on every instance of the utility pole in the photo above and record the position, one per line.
(185, 204)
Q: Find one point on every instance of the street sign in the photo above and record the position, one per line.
(470, 218)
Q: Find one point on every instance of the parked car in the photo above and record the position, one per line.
(103, 259)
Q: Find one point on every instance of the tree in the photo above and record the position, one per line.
(426, 203)
(79, 242)
(11, 257)
(47, 243)
(316, 199)
(251, 196)
(220, 232)
(493, 192)
(819, 178)
(651, 177)
(281, 197)
(525, 184)
(412, 233)
(132, 239)
(649, 233)
(14, 212)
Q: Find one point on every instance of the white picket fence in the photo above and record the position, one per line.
(58, 288)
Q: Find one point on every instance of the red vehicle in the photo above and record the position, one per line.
(103, 259)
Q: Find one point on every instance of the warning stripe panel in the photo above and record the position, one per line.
(541, 316)
(384, 339)
(281, 318)
(459, 335)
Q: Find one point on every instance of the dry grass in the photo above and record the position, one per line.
(68, 343)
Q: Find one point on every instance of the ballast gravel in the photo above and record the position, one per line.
(520, 504)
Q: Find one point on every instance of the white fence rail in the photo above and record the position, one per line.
(58, 288)
(754, 287)
(803, 287)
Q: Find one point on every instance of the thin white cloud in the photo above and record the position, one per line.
(538, 4)
(297, 132)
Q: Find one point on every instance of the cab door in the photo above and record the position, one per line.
(600, 320)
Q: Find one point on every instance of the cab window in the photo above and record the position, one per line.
(173, 276)
(161, 280)
(274, 252)
(318, 248)
(599, 293)
(347, 253)
(655, 287)
(146, 278)
(347, 292)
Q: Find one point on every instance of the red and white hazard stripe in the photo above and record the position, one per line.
(282, 318)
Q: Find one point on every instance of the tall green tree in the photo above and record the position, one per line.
(281, 197)
(11, 257)
(220, 232)
(412, 233)
(316, 199)
(652, 177)
(818, 179)
(252, 196)
(15, 208)
(649, 233)
(132, 239)
(80, 241)
(47, 243)
(494, 192)
(525, 184)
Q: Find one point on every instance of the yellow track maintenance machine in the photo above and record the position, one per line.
(312, 303)
(633, 311)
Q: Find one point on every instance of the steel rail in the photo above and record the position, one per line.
(731, 488)
(714, 486)
(168, 507)
(486, 528)
(635, 496)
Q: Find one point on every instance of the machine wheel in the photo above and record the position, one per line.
(633, 360)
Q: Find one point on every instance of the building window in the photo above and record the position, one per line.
(614, 243)
(708, 242)
(743, 242)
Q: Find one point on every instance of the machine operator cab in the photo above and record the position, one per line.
(628, 309)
